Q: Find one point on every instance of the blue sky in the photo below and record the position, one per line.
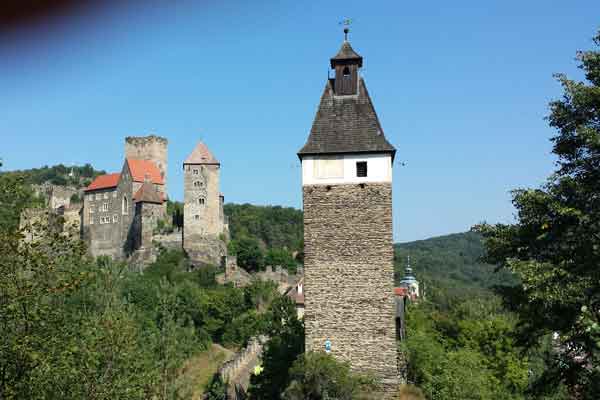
(461, 89)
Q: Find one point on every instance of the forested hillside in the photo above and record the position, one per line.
(274, 226)
(76, 176)
(450, 263)
(461, 341)
(265, 235)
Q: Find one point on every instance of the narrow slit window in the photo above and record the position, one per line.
(346, 72)
(361, 169)
(201, 201)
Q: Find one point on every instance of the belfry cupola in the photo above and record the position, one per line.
(346, 64)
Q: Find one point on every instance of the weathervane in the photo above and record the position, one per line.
(346, 22)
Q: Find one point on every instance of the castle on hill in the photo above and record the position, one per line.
(121, 211)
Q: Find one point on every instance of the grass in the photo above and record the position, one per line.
(201, 368)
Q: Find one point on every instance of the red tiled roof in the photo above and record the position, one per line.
(201, 155)
(104, 182)
(140, 169)
(400, 291)
(148, 194)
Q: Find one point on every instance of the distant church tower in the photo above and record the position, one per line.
(409, 282)
(204, 224)
(347, 196)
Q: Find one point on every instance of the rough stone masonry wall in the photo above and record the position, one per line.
(236, 372)
(102, 238)
(202, 222)
(153, 148)
(348, 283)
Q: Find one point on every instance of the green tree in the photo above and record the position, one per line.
(554, 248)
(281, 257)
(14, 198)
(217, 390)
(319, 376)
(273, 226)
(286, 343)
(248, 252)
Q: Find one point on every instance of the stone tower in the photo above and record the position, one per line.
(347, 196)
(151, 148)
(203, 219)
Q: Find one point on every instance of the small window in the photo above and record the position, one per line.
(197, 217)
(346, 72)
(195, 172)
(104, 206)
(98, 196)
(105, 195)
(115, 218)
(201, 201)
(114, 195)
(125, 205)
(361, 169)
(197, 184)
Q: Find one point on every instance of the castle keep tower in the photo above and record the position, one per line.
(347, 196)
(150, 148)
(203, 218)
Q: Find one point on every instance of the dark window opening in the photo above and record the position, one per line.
(361, 169)
(346, 72)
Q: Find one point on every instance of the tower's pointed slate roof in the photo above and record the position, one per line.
(346, 53)
(147, 193)
(201, 155)
(346, 124)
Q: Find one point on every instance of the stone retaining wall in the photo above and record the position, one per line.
(236, 372)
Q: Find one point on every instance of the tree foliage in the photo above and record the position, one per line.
(76, 176)
(273, 226)
(319, 376)
(78, 328)
(469, 352)
(554, 247)
(286, 343)
(265, 235)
